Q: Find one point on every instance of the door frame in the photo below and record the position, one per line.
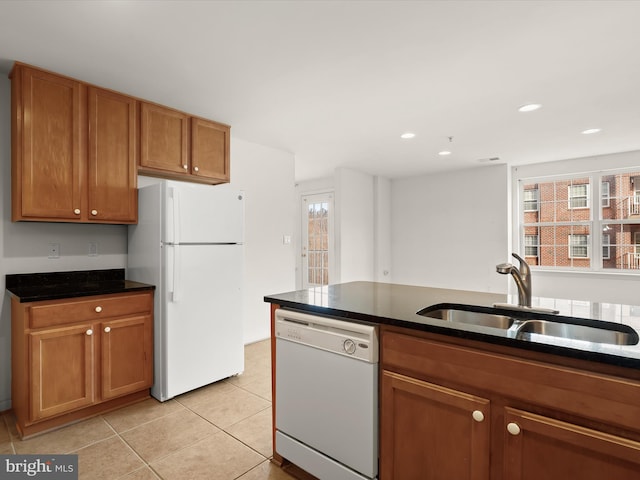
(305, 199)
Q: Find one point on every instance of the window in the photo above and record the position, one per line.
(606, 246)
(578, 246)
(606, 194)
(530, 200)
(531, 245)
(568, 230)
(579, 196)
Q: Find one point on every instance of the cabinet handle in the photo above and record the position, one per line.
(94, 212)
(98, 309)
(77, 211)
(186, 167)
(513, 428)
(478, 416)
(89, 332)
(195, 169)
(107, 329)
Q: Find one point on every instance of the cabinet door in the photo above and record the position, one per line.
(61, 370)
(428, 432)
(210, 150)
(48, 145)
(112, 159)
(127, 356)
(538, 447)
(164, 139)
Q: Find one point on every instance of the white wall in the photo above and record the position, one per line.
(355, 229)
(267, 177)
(450, 229)
(382, 229)
(601, 287)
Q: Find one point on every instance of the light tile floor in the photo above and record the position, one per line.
(218, 432)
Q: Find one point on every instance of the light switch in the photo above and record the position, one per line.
(286, 239)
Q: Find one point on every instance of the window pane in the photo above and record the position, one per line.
(579, 195)
(623, 196)
(318, 243)
(530, 198)
(578, 246)
(531, 247)
(623, 245)
(564, 246)
(562, 201)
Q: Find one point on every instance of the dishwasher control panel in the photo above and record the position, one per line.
(338, 336)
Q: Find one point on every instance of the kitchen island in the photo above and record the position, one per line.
(466, 401)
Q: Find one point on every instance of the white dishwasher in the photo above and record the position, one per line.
(327, 395)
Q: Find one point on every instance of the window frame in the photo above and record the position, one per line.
(606, 245)
(603, 255)
(535, 245)
(607, 196)
(536, 199)
(571, 198)
(573, 245)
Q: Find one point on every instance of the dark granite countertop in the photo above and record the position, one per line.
(34, 287)
(392, 304)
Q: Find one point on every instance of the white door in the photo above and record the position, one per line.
(203, 321)
(317, 239)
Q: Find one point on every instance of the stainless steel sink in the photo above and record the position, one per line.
(470, 317)
(523, 323)
(578, 332)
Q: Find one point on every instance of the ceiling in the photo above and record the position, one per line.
(337, 82)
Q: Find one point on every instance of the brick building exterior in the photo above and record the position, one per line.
(557, 222)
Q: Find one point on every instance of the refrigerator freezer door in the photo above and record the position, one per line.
(203, 316)
(203, 214)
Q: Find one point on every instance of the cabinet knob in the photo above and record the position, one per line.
(478, 416)
(186, 167)
(107, 329)
(77, 211)
(98, 309)
(94, 212)
(513, 428)
(196, 169)
(89, 332)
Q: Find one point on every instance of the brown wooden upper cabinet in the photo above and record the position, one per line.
(74, 150)
(177, 145)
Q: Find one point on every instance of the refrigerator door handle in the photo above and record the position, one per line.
(176, 215)
(175, 298)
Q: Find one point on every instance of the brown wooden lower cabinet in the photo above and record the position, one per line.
(432, 432)
(538, 447)
(75, 358)
(454, 411)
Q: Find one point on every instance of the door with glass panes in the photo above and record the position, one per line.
(317, 239)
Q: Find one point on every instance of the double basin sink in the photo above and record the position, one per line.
(523, 323)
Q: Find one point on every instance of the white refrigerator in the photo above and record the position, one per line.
(189, 243)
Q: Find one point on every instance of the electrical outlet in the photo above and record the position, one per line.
(54, 250)
(93, 249)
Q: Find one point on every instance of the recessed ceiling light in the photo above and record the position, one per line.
(589, 131)
(408, 135)
(444, 152)
(529, 107)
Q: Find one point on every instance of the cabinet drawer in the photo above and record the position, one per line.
(61, 312)
(599, 397)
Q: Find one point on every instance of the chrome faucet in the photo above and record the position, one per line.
(522, 278)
